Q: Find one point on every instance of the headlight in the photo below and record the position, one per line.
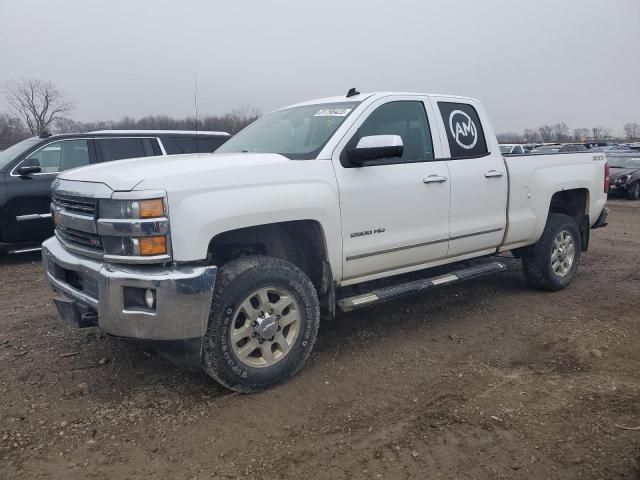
(152, 208)
(623, 179)
(134, 228)
(135, 246)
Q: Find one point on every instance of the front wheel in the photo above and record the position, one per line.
(263, 323)
(552, 262)
(633, 191)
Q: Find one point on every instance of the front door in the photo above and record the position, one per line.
(30, 196)
(395, 211)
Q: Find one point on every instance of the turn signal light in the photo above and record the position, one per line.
(151, 208)
(153, 245)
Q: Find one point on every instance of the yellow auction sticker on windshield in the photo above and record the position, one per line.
(333, 112)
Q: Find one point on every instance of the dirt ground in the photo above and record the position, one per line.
(484, 380)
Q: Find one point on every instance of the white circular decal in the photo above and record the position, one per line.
(463, 129)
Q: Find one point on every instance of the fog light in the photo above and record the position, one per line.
(150, 298)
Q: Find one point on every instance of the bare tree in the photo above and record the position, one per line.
(561, 132)
(530, 135)
(546, 133)
(39, 103)
(632, 131)
(12, 130)
(600, 133)
(241, 117)
(580, 134)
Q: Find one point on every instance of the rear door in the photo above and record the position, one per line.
(394, 211)
(478, 213)
(30, 197)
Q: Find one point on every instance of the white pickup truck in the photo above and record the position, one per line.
(227, 261)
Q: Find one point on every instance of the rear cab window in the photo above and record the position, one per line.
(464, 130)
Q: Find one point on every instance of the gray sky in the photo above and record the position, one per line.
(528, 61)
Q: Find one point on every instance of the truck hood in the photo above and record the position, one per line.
(125, 175)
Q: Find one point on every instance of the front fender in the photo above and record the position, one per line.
(197, 215)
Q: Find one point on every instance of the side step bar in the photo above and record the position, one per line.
(396, 291)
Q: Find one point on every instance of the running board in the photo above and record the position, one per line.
(396, 291)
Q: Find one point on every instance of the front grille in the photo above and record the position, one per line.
(72, 203)
(72, 232)
(82, 239)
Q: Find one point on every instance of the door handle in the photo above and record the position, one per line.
(434, 179)
(493, 173)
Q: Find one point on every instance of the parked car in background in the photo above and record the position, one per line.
(530, 146)
(28, 168)
(624, 175)
(599, 144)
(560, 148)
(512, 149)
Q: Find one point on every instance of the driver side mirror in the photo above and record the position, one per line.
(29, 167)
(375, 147)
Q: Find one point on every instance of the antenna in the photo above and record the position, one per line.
(195, 98)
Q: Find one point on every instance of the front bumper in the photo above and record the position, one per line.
(183, 294)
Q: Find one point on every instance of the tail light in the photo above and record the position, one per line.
(606, 177)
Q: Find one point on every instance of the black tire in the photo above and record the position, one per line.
(537, 260)
(633, 191)
(235, 282)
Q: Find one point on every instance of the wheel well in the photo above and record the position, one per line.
(574, 203)
(300, 242)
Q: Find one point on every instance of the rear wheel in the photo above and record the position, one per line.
(633, 191)
(263, 323)
(553, 261)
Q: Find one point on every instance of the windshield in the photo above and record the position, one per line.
(624, 162)
(13, 151)
(296, 132)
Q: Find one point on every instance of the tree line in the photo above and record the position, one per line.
(38, 106)
(562, 133)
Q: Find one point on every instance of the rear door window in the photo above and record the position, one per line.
(208, 145)
(186, 144)
(464, 131)
(175, 145)
(109, 149)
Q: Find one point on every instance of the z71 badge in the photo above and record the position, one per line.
(367, 232)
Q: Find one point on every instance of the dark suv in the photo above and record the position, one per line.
(28, 168)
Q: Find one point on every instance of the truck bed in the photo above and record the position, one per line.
(533, 179)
